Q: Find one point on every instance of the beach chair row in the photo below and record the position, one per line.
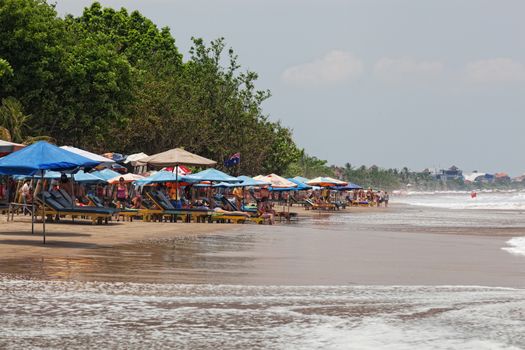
(56, 204)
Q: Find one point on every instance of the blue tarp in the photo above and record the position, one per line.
(39, 156)
(212, 175)
(105, 174)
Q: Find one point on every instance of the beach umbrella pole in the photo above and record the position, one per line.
(177, 184)
(32, 210)
(43, 211)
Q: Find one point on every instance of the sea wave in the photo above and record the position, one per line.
(463, 200)
(517, 246)
(43, 314)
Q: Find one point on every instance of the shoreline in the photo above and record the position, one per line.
(76, 238)
(357, 248)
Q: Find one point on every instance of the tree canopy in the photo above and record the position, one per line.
(111, 80)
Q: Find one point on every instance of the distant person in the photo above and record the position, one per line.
(65, 184)
(265, 195)
(386, 198)
(238, 195)
(136, 201)
(25, 196)
(121, 194)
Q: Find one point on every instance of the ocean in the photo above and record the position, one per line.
(494, 204)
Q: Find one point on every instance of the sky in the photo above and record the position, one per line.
(393, 83)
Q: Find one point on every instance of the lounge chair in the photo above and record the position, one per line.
(224, 216)
(319, 206)
(56, 204)
(195, 214)
(127, 213)
(161, 208)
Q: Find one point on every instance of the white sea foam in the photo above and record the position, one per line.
(517, 246)
(39, 314)
(509, 200)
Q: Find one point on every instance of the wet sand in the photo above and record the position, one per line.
(73, 239)
(359, 247)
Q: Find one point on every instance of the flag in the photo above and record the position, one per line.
(234, 160)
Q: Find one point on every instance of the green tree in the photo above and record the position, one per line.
(5, 68)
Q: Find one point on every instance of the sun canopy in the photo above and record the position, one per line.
(349, 187)
(301, 186)
(276, 181)
(246, 181)
(87, 154)
(212, 175)
(304, 180)
(134, 159)
(164, 176)
(105, 174)
(40, 156)
(325, 182)
(177, 156)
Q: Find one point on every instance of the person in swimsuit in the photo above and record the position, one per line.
(121, 194)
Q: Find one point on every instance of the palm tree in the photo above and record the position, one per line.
(5, 134)
(13, 119)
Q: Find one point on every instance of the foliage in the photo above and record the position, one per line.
(5, 68)
(309, 167)
(373, 176)
(13, 119)
(110, 80)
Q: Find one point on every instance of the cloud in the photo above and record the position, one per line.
(398, 69)
(334, 67)
(496, 70)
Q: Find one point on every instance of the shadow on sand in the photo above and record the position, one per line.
(50, 243)
(48, 234)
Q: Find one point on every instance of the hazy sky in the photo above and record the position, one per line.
(419, 83)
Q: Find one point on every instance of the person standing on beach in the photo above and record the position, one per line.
(121, 193)
(25, 195)
(386, 197)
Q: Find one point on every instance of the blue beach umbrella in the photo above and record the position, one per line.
(164, 176)
(246, 181)
(83, 177)
(301, 179)
(105, 174)
(40, 156)
(212, 175)
(301, 186)
(36, 159)
(349, 187)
